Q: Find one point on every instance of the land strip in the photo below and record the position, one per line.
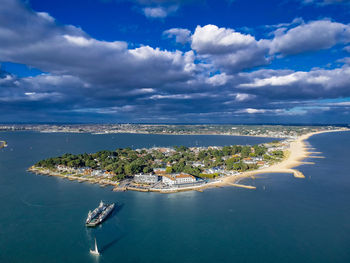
(297, 151)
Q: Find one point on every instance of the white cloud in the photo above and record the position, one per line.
(173, 96)
(218, 79)
(155, 12)
(159, 11)
(315, 35)
(251, 111)
(181, 35)
(211, 39)
(288, 85)
(240, 97)
(276, 80)
(227, 49)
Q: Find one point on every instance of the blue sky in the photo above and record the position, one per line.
(168, 61)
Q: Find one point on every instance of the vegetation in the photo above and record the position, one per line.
(127, 162)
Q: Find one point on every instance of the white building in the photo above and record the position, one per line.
(185, 179)
(198, 164)
(97, 173)
(168, 180)
(146, 178)
(176, 179)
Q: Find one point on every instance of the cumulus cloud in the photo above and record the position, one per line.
(181, 35)
(218, 79)
(130, 82)
(315, 35)
(288, 85)
(34, 40)
(227, 49)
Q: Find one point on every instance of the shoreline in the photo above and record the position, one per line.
(298, 151)
(158, 133)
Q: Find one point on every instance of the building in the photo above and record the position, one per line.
(146, 178)
(168, 180)
(248, 160)
(177, 179)
(214, 170)
(109, 174)
(185, 179)
(198, 164)
(97, 173)
(159, 170)
(62, 168)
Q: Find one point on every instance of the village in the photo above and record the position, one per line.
(166, 169)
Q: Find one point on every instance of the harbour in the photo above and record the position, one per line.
(272, 220)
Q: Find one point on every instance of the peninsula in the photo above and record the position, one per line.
(181, 168)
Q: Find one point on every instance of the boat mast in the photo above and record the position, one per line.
(95, 252)
(96, 249)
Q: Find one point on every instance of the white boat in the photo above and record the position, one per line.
(95, 251)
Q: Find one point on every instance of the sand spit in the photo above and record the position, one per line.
(298, 150)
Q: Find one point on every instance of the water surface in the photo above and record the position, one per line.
(284, 220)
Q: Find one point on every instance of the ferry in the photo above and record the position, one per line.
(99, 214)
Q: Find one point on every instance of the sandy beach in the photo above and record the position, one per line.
(295, 154)
(298, 151)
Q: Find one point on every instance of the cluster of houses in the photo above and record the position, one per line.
(160, 175)
(86, 171)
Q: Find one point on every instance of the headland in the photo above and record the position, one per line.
(242, 166)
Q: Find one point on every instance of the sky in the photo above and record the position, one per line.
(175, 61)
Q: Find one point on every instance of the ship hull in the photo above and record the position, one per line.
(101, 217)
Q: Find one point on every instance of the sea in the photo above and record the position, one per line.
(284, 220)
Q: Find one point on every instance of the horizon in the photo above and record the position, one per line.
(175, 62)
(180, 124)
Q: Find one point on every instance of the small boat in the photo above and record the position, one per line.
(95, 251)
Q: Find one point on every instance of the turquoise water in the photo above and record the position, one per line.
(284, 220)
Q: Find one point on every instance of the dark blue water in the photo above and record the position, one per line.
(284, 220)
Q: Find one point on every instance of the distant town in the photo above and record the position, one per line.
(275, 131)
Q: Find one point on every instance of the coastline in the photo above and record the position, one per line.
(297, 151)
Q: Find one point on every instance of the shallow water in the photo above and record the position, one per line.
(284, 220)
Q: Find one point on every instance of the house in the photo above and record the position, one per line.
(63, 168)
(248, 160)
(214, 170)
(159, 170)
(260, 163)
(109, 174)
(146, 178)
(87, 171)
(198, 164)
(97, 173)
